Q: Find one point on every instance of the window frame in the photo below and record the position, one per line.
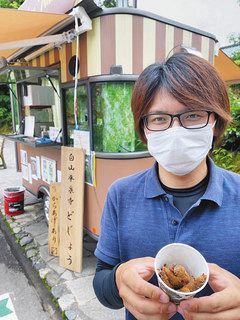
(89, 85)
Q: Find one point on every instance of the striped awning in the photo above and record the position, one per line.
(20, 25)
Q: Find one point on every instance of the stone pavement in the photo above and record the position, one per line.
(72, 290)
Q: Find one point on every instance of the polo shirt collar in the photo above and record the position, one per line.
(153, 186)
(214, 191)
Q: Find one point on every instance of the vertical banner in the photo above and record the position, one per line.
(54, 211)
(72, 208)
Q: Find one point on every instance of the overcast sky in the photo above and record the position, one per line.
(219, 17)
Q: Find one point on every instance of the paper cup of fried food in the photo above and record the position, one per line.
(181, 271)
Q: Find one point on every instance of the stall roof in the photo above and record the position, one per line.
(20, 25)
(229, 70)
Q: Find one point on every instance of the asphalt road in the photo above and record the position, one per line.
(19, 299)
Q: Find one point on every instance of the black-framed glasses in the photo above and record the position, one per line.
(194, 119)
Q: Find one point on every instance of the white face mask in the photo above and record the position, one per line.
(179, 150)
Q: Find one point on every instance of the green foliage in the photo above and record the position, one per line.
(5, 110)
(109, 3)
(113, 125)
(231, 140)
(236, 57)
(234, 38)
(228, 156)
(14, 4)
(226, 159)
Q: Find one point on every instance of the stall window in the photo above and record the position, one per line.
(46, 111)
(15, 106)
(82, 114)
(113, 125)
(56, 108)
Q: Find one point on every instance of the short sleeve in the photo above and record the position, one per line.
(107, 248)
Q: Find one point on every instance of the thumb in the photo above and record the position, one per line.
(145, 269)
(219, 279)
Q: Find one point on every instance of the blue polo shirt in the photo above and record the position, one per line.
(139, 218)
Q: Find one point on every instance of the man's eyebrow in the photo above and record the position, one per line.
(162, 111)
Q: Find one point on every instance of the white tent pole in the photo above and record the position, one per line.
(58, 38)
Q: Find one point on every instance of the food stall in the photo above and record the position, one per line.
(107, 60)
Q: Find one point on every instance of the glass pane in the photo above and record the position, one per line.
(113, 126)
(56, 108)
(42, 114)
(82, 111)
(15, 107)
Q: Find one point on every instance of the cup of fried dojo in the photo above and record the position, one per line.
(175, 256)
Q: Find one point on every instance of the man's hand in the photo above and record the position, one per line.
(224, 304)
(144, 300)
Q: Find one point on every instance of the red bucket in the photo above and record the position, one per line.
(14, 201)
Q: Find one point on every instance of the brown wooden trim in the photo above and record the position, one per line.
(83, 55)
(38, 61)
(160, 41)
(46, 57)
(178, 39)
(108, 47)
(68, 57)
(56, 55)
(137, 44)
(196, 41)
(30, 63)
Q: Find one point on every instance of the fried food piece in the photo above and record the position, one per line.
(176, 277)
(194, 284)
(164, 277)
(181, 273)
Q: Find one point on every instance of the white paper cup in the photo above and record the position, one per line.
(188, 257)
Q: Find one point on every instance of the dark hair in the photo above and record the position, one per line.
(191, 80)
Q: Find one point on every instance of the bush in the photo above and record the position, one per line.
(226, 159)
(231, 139)
(5, 110)
(228, 156)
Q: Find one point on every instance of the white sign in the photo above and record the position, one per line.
(29, 173)
(59, 176)
(49, 170)
(38, 167)
(23, 157)
(33, 163)
(25, 172)
(54, 133)
(82, 140)
(29, 126)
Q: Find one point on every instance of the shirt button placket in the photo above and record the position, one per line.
(174, 222)
(166, 198)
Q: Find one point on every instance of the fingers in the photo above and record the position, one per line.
(140, 316)
(145, 305)
(217, 273)
(219, 301)
(144, 300)
(143, 288)
(232, 314)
